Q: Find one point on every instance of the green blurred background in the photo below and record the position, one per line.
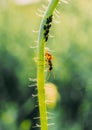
(72, 65)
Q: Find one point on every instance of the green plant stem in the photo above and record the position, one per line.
(40, 66)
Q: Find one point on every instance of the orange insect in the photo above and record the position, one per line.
(48, 59)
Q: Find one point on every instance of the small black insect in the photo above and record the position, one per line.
(46, 39)
(46, 34)
(47, 31)
(49, 19)
(47, 27)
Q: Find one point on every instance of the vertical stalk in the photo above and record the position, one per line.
(40, 65)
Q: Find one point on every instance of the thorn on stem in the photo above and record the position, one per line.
(36, 125)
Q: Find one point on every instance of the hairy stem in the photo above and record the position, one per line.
(40, 66)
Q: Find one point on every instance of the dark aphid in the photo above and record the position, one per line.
(49, 19)
(45, 27)
(46, 34)
(47, 22)
(47, 31)
(48, 26)
(46, 39)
